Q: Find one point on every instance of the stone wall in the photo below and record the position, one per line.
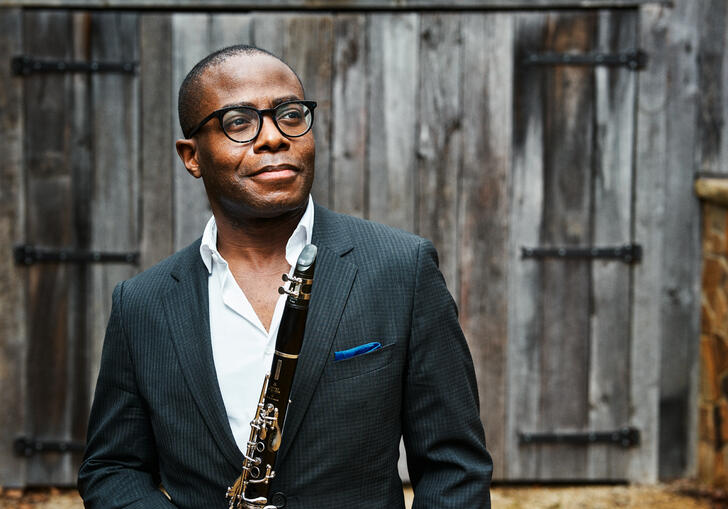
(713, 398)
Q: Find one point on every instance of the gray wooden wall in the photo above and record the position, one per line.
(429, 121)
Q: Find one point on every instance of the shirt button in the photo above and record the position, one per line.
(279, 499)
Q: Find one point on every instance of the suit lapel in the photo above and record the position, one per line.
(333, 279)
(187, 309)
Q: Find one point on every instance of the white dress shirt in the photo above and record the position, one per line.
(241, 347)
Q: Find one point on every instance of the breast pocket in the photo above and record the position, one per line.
(359, 364)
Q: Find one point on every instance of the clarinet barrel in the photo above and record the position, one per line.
(252, 488)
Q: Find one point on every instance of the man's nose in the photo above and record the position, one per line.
(270, 137)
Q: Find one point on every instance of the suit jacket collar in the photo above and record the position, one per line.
(188, 316)
(330, 231)
(187, 310)
(332, 282)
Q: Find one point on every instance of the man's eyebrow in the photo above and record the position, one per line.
(286, 98)
(275, 102)
(239, 103)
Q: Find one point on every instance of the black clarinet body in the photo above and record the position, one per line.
(251, 490)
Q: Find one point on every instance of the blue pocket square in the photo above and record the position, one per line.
(357, 350)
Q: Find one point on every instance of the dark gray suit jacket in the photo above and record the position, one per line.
(158, 415)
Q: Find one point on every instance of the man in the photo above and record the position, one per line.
(189, 341)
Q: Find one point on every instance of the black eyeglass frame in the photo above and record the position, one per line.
(311, 105)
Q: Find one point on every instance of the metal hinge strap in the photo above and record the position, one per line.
(634, 60)
(23, 66)
(28, 255)
(629, 253)
(27, 447)
(624, 437)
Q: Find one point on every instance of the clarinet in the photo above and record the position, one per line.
(251, 489)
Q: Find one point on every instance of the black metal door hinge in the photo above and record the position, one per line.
(27, 447)
(624, 437)
(28, 255)
(23, 66)
(634, 60)
(629, 253)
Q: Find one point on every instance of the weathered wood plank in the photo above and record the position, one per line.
(267, 32)
(650, 163)
(80, 384)
(330, 4)
(48, 114)
(568, 147)
(392, 105)
(550, 326)
(712, 61)
(484, 203)
(13, 332)
(349, 111)
(229, 29)
(680, 256)
(524, 278)
(609, 376)
(157, 140)
(439, 143)
(309, 50)
(114, 117)
(191, 39)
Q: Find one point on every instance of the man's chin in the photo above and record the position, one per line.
(272, 208)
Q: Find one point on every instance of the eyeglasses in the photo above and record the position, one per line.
(242, 124)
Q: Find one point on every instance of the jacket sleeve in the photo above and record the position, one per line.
(448, 463)
(119, 468)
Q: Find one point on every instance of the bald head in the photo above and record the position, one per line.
(192, 90)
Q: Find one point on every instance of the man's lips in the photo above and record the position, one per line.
(273, 170)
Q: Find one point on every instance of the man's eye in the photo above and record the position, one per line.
(237, 122)
(290, 114)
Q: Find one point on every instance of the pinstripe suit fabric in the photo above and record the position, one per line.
(158, 416)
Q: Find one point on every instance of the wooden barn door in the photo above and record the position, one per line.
(433, 122)
(80, 209)
(570, 397)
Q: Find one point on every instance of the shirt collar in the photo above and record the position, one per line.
(296, 242)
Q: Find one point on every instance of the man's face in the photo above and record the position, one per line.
(266, 177)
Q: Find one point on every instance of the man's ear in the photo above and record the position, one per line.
(187, 151)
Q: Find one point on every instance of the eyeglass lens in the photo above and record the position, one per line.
(242, 124)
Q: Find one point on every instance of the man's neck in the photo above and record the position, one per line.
(257, 243)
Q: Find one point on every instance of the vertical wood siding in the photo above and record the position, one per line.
(527, 177)
(712, 62)
(348, 174)
(483, 213)
(559, 329)
(13, 282)
(113, 208)
(566, 217)
(81, 171)
(82, 183)
(679, 291)
(309, 49)
(610, 339)
(393, 62)
(439, 137)
(649, 208)
(427, 121)
(190, 44)
(52, 288)
(158, 159)
(569, 331)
